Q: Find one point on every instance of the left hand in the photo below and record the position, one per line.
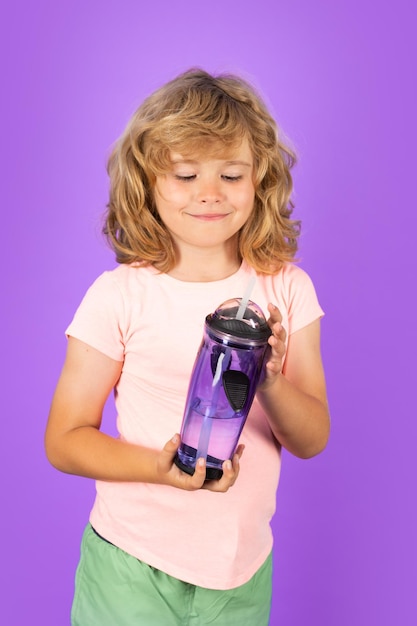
(277, 342)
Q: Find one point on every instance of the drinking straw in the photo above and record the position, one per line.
(205, 432)
(244, 301)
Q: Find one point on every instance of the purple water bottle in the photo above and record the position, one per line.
(223, 385)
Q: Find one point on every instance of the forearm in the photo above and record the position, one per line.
(74, 443)
(88, 452)
(299, 421)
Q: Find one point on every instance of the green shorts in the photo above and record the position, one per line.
(113, 588)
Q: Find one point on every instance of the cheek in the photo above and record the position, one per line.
(170, 193)
(247, 199)
(160, 191)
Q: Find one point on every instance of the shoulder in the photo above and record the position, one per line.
(290, 279)
(103, 318)
(297, 281)
(292, 274)
(110, 294)
(121, 280)
(295, 294)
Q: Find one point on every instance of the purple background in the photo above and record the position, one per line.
(338, 76)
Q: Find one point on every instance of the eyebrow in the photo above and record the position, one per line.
(193, 162)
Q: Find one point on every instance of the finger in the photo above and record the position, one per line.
(198, 478)
(231, 468)
(230, 473)
(168, 453)
(273, 367)
(277, 347)
(239, 451)
(172, 445)
(276, 356)
(278, 331)
(189, 482)
(228, 479)
(275, 313)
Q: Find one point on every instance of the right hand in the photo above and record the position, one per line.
(170, 474)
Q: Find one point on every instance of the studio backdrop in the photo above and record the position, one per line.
(338, 77)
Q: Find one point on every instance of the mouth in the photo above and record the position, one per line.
(208, 217)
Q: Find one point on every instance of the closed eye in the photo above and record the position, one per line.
(185, 179)
(231, 179)
(225, 177)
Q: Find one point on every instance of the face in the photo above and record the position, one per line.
(205, 202)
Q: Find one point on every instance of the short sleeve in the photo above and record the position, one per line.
(99, 319)
(302, 302)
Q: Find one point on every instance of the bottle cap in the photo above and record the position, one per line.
(251, 327)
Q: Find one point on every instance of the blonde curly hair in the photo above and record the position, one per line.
(200, 113)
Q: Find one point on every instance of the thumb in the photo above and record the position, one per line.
(173, 444)
(169, 451)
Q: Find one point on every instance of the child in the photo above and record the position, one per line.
(199, 203)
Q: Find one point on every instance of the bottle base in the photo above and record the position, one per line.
(212, 473)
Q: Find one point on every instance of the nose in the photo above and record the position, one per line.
(210, 192)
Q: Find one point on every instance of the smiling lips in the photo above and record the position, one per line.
(209, 217)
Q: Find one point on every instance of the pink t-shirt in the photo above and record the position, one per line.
(154, 324)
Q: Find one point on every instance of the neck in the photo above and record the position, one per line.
(205, 266)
